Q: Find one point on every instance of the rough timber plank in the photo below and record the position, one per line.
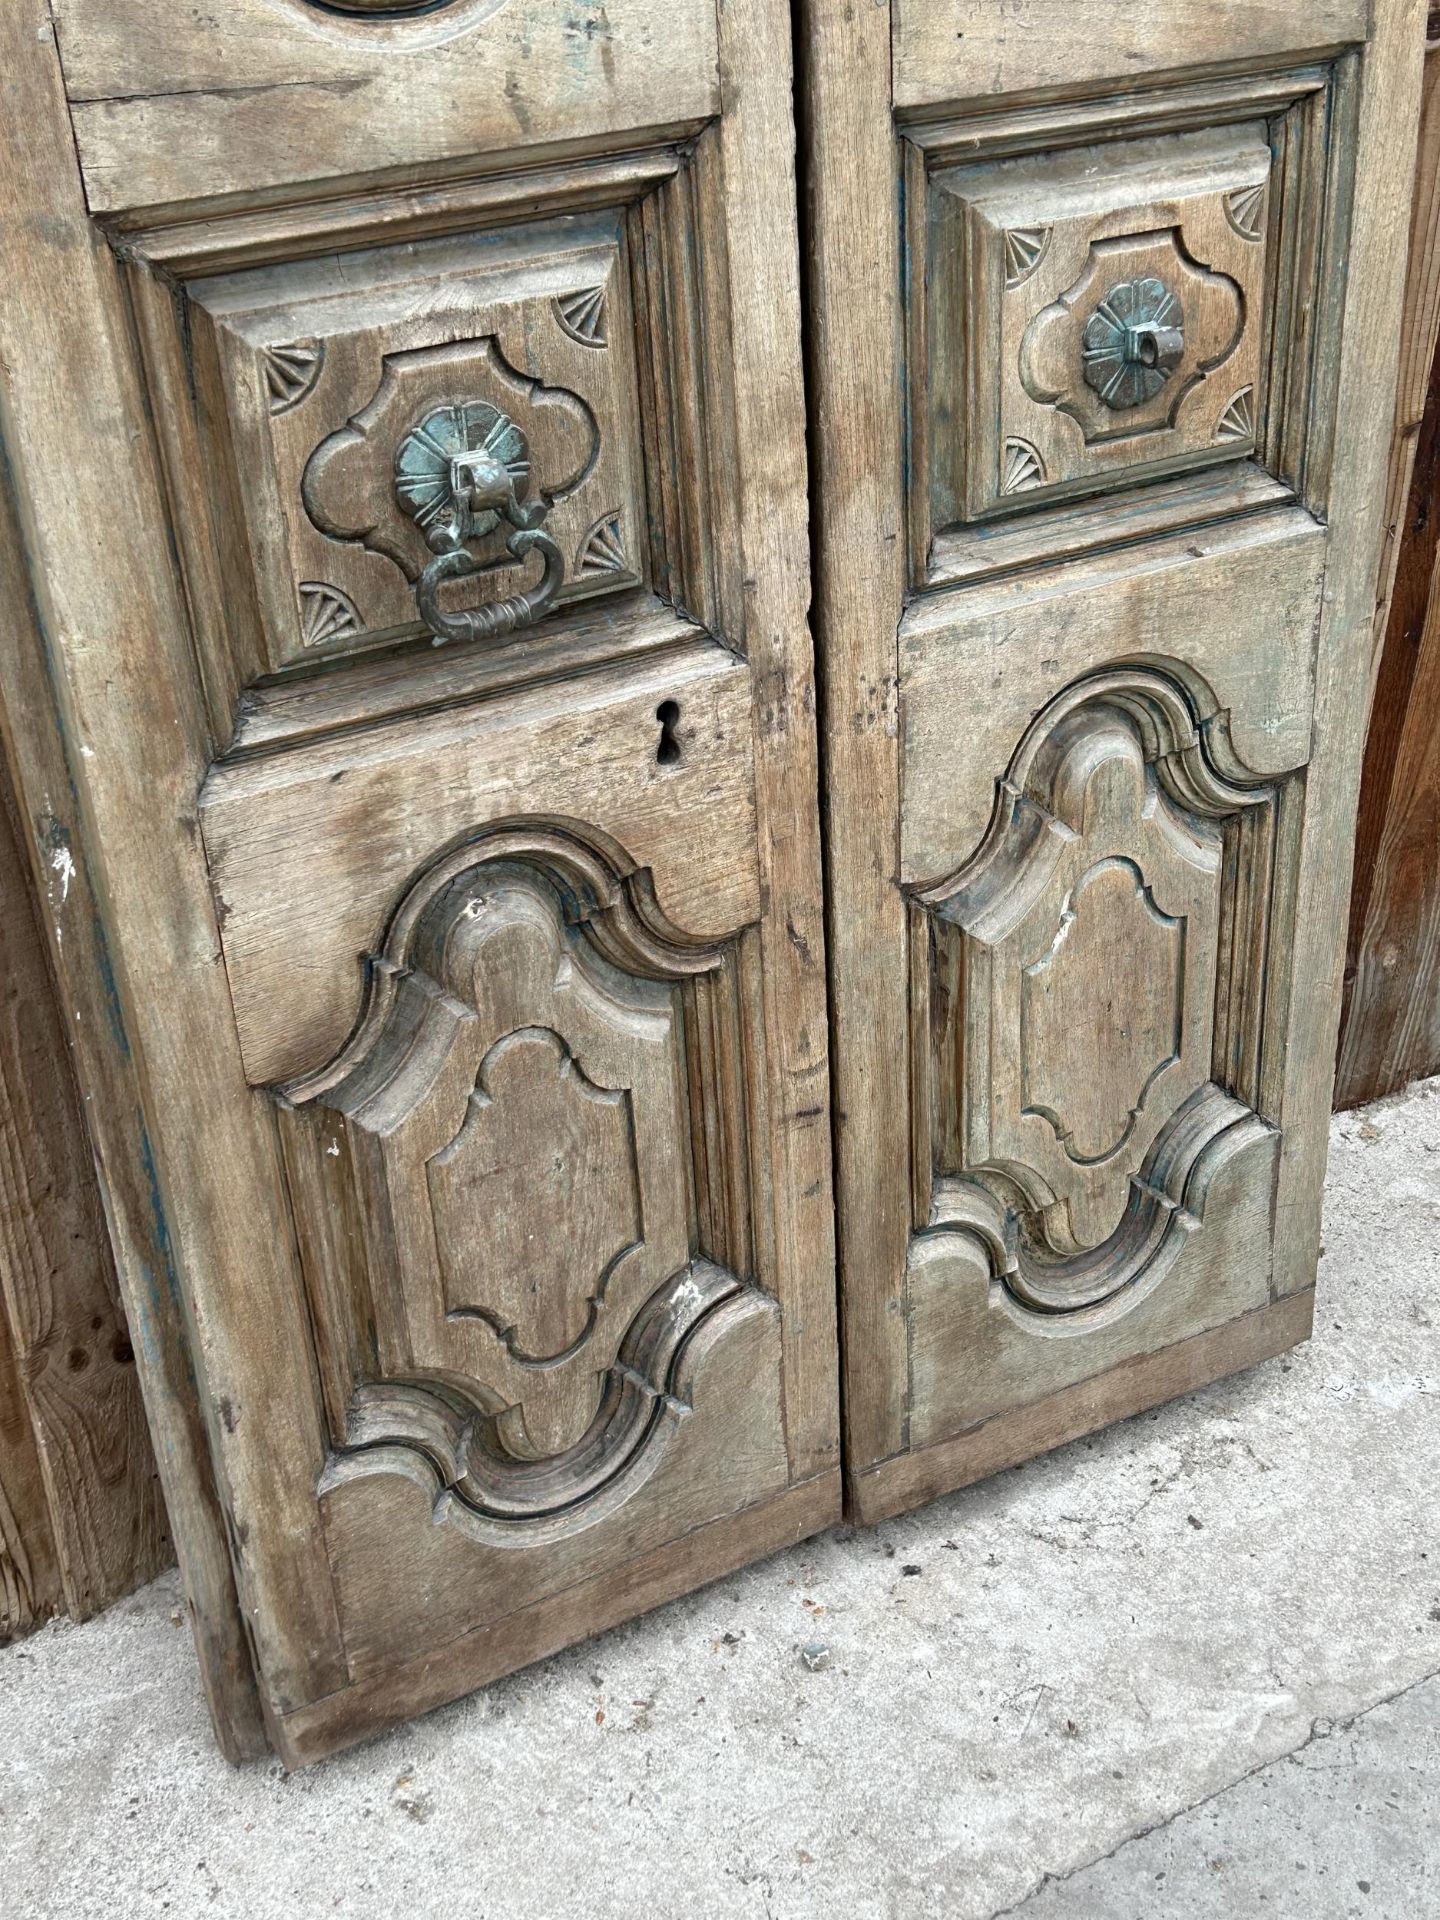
(99, 1522)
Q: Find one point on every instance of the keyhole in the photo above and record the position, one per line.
(1149, 352)
(668, 751)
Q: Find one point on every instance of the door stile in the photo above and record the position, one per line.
(852, 248)
(1369, 335)
(73, 672)
(758, 158)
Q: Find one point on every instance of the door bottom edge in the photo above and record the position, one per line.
(372, 1706)
(904, 1481)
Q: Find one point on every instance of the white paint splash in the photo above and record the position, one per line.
(62, 864)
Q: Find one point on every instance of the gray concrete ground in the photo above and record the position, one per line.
(1187, 1667)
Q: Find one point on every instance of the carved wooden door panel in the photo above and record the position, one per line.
(415, 716)
(1105, 308)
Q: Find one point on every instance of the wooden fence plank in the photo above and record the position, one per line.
(1390, 1031)
(81, 1517)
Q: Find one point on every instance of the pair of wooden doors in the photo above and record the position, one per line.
(408, 679)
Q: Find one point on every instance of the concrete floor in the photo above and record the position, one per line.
(1190, 1666)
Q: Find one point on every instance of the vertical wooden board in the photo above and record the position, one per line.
(1390, 1029)
(30, 1588)
(793, 1148)
(69, 1346)
(74, 714)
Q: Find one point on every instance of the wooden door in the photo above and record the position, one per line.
(408, 682)
(1105, 308)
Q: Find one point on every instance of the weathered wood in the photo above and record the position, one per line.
(30, 1590)
(80, 1510)
(1390, 1031)
(183, 107)
(487, 1652)
(1146, 1380)
(1130, 248)
(979, 50)
(305, 848)
(1384, 166)
(1012, 252)
(475, 997)
(73, 731)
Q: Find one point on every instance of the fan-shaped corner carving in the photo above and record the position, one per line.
(1022, 467)
(1089, 1056)
(582, 315)
(1245, 210)
(602, 550)
(1024, 250)
(291, 371)
(327, 614)
(1236, 425)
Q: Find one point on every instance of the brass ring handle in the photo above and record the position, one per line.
(459, 475)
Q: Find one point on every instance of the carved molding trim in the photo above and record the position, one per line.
(458, 1451)
(1090, 994)
(349, 480)
(1076, 356)
(513, 1201)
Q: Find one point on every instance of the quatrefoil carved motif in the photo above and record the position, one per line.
(1136, 333)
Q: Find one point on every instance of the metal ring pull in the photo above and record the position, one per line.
(459, 475)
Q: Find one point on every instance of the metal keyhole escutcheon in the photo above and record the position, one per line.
(460, 475)
(1133, 342)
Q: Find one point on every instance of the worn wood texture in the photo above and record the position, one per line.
(74, 716)
(1106, 1119)
(81, 1517)
(1035, 267)
(981, 49)
(474, 993)
(1390, 1032)
(176, 107)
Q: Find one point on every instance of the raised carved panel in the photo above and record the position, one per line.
(323, 368)
(1091, 989)
(537, 1198)
(389, 416)
(1097, 308)
(513, 1204)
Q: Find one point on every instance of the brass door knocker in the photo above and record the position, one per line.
(459, 475)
